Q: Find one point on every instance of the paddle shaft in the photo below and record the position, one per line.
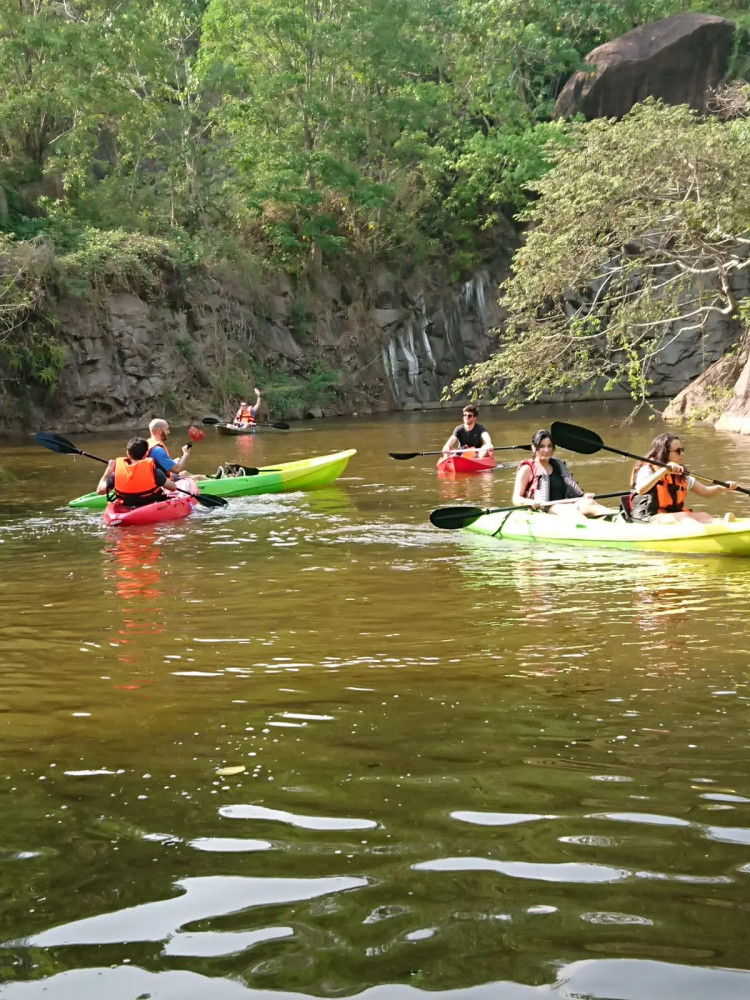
(460, 517)
(279, 425)
(56, 442)
(403, 455)
(552, 503)
(665, 465)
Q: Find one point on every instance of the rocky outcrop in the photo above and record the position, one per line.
(706, 398)
(396, 344)
(679, 60)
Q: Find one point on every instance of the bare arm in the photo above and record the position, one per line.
(486, 445)
(451, 444)
(710, 491)
(181, 462)
(102, 484)
(657, 476)
(523, 478)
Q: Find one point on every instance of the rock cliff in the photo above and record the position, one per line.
(679, 60)
(395, 343)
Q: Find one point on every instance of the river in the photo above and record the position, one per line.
(471, 769)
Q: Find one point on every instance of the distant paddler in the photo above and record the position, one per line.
(469, 434)
(246, 415)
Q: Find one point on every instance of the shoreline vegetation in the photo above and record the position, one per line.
(146, 147)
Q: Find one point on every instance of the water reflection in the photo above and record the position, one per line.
(132, 570)
(476, 770)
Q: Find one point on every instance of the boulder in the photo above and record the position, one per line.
(679, 60)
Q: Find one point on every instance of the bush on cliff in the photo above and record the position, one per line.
(637, 234)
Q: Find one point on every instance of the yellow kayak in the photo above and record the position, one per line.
(719, 538)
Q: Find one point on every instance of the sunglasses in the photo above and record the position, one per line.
(678, 451)
(473, 417)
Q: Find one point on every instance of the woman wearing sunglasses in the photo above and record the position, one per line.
(658, 493)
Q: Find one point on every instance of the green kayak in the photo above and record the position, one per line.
(283, 477)
(719, 538)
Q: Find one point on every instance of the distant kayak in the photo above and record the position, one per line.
(232, 431)
(466, 462)
(174, 508)
(686, 537)
(281, 477)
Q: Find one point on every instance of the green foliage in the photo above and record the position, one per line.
(299, 131)
(618, 262)
(286, 393)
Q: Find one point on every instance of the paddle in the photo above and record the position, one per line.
(587, 442)
(460, 517)
(278, 424)
(402, 455)
(195, 435)
(55, 442)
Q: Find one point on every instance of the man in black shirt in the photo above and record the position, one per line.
(469, 434)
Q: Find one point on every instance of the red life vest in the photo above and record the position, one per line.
(135, 482)
(531, 486)
(245, 416)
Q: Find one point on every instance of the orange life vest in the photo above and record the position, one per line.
(154, 443)
(671, 492)
(135, 482)
(245, 416)
(666, 497)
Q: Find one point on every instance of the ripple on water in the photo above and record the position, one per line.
(596, 979)
(497, 819)
(567, 871)
(202, 898)
(293, 819)
(229, 845)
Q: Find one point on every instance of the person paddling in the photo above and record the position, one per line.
(246, 415)
(469, 434)
(658, 494)
(544, 478)
(157, 449)
(135, 479)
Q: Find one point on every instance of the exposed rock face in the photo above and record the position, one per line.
(396, 344)
(679, 59)
(736, 415)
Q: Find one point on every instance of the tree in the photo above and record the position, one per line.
(638, 235)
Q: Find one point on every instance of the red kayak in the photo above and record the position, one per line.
(466, 461)
(178, 505)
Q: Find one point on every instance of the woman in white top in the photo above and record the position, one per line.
(658, 493)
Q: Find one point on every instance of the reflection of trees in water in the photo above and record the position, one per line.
(133, 556)
(478, 489)
(589, 599)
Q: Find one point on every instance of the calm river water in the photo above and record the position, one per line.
(472, 769)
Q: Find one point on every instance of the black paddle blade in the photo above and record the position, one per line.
(455, 517)
(55, 442)
(280, 425)
(210, 420)
(574, 438)
(206, 500)
(401, 456)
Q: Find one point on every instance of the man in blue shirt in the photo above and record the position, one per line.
(157, 449)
